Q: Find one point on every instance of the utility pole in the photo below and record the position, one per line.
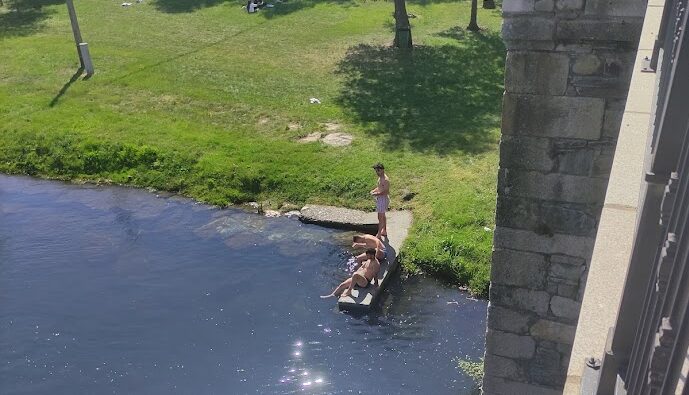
(82, 47)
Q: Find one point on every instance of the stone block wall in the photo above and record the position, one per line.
(569, 63)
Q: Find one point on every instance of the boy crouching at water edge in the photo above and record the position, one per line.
(364, 275)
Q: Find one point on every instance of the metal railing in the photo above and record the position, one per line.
(647, 352)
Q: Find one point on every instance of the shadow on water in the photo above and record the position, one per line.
(24, 17)
(392, 301)
(440, 99)
(399, 301)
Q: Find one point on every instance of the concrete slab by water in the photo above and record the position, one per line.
(342, 218)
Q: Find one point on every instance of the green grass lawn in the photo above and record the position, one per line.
(196, 97)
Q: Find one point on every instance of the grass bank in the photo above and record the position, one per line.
(200, 98)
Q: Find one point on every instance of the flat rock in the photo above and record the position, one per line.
(293, 126)
(340, 218)
(271, 213)
(293, 213)
(337, 139)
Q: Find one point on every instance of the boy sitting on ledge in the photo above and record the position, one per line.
(364, 275)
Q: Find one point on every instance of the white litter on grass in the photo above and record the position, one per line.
(487, 229)
(126, 4)
(270, 5)
(313, 100)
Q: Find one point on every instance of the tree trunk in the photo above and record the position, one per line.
(473, 26)
(402, 26)
(489, 4)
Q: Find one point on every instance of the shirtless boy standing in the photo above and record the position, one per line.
(368, 241)
(366, 274)
(382, 199)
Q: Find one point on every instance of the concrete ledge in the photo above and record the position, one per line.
(362, 299)
(342, 218)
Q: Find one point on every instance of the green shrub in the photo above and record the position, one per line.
(473, 369)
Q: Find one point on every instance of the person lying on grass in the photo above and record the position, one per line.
(369, 241)
(367, 273)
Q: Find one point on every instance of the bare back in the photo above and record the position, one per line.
(372, 242)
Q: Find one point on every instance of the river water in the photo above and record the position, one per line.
(108, 290)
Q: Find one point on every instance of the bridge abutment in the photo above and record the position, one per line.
(569, 63)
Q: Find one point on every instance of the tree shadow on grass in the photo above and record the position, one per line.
(290, 6)
(24, 17)
(287, 7)
(179, 6)
(429, 2)
(281, 8)
(441, 99)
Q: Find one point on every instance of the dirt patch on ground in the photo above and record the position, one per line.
(331, 139)
(293, 126)
(337, 139)
(332, 127)
(311, 137)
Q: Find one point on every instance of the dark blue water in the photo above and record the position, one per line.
(108, 290)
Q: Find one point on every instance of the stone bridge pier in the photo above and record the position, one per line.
(568, 68)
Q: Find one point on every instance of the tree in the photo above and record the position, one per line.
(473, 26)
(402, 26)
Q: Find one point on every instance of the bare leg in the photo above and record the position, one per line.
(345, 284)
(385, 226)
(357, 279)
(382, 226)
